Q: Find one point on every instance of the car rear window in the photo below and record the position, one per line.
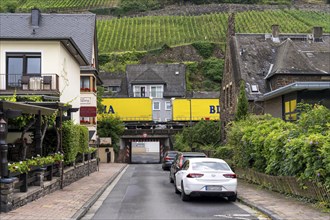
(194, 156)
(207, 165)
(172, 154)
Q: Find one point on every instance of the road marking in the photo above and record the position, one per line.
(234, 216)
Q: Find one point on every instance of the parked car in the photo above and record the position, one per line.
(206, 176)
(180, 158)
(168, 159)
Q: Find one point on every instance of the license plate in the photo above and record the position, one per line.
(213, 188)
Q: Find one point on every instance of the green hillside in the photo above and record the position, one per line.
(176, 38)
(145, 33)
(59, 5)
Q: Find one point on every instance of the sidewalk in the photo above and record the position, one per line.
(276, 205)
(74, 200)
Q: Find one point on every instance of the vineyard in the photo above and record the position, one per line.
(146, 33)
(66, 5)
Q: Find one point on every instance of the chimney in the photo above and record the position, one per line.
(276, 33)
(35, 17)
(317, 34)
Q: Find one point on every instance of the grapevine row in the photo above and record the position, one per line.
(59, 5)
(145, 33)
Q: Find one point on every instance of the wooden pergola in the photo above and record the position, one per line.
(13, 110)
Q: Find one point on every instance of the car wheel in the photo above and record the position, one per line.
(171, 180)
(184, 197)
(232, 198)
(176, 189)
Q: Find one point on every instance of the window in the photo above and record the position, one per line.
(143, 91)
(230, 96)
(224, 98)
(139, 91)
(254, 88)
(85, 83)
(156, 91)
(168, 106)
(19, 64)
(290, 113)
(113, 89)
(227, 97)
(156, 105)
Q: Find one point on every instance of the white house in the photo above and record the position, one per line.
(53, 56)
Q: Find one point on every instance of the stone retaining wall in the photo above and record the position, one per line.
(12, 198)
(79, 171)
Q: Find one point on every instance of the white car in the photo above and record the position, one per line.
(206, 176)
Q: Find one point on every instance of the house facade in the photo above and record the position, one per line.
(52, 56)
(279, 71)
(154, 104)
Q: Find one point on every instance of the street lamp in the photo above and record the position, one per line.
(190, 124)
(3, 147)
(172, 112)
(190, 112)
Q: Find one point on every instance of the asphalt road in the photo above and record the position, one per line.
(144, 192)
(147, 157)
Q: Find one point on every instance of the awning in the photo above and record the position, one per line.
(88, 111)
(297, 86)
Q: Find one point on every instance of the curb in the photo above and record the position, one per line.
(84, 209)
(261, 209)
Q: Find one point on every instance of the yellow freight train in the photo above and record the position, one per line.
(142, 109)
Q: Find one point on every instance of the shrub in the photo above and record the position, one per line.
(83, 139)
(280, 148)
(205, 49)
(70, 141)
(213, 69)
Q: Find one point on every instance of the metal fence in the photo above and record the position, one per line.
(287, 185)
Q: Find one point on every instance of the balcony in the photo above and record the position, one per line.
(32, 84)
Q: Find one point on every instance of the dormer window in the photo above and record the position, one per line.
(156, 91)
(254, 88)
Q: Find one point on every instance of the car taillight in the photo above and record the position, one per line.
(230, 175)
(167, 158)
(194, 175)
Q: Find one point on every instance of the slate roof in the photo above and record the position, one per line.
(79, 27)
(148, 77)
(172, 76)
(203, 95)
(111, 79)
(290, 60)
(259, 58)
(115, 79)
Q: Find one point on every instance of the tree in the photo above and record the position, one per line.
(100, 92)
(11, 6)
(110, 126)
(203, 136)
(242, 105)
